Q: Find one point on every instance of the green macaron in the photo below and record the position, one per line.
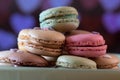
(62, 19)
(69, 61)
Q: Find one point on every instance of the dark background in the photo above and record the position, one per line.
(95, 15)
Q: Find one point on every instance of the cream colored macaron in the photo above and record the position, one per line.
(69, 61)
(23, 38)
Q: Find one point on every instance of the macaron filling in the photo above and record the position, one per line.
(61, 17)
(35, 40)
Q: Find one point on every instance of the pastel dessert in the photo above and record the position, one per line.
(23, 38)
(4, 61)
(107, 61)
(62, 19)
(21, 58)
(75, 62)
(86, 45)
(45, 42)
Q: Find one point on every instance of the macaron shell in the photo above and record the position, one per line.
(4, 56)
(23, 38)
(47, 38)
(58, 11)
(39, 50)
(85, 40)
(47, 43)
(88, 51)
(75, 62)
(107, 61)
(27, 59)
(47, 35)
(23, 35)
(6, 65)
(116, 67)
(61, 25)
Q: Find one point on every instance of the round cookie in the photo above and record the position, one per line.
(23, 38)
(87, 45)
(45, 42)
(63, 19)
(108, 61)
(21, 58)
(69, 61)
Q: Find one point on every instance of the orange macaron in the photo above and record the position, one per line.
(44, 42)
(107, 61)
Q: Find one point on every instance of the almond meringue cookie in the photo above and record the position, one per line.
(23, 38)
(86, 45)
(22, 58)
(69, 61)
(107, 61)
(45, 42)
(62, 19)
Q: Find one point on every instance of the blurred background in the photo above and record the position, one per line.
(95, 15)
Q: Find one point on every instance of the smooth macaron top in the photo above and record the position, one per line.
(47, 35)
(58, 11)
(85, 40)
(22, 58)
(109, 60)
(75, 62)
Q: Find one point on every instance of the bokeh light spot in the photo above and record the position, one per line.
(28, 6)
(19, 22)
(7, 40)
(56, 3)
(109, 21)
(110, 5)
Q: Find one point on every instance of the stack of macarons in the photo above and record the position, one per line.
(57, 43)
(45, 43)
(86, 50)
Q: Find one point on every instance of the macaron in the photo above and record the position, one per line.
(21, 58)
(75, 62)
(23, 38)
(107, 61)
(62, 19)
(86, 45)
(4, 61)
(45, 42)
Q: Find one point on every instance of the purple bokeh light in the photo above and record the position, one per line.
(111, 22)
(56, 3)
(7, 40)
(28, 6)
(19, 22)
(110, 5)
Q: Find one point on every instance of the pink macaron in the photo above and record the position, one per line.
(86, 45)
